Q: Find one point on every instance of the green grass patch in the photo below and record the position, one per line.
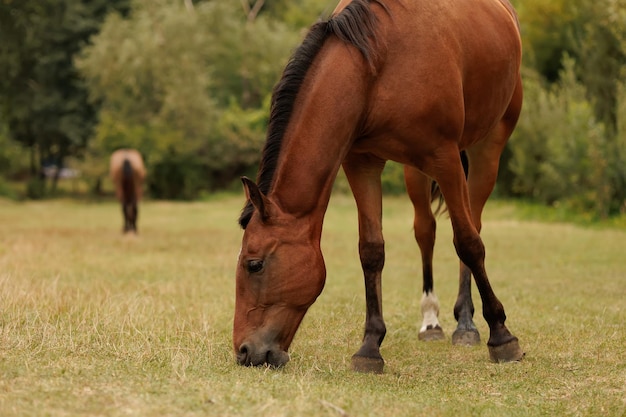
(562, 213)
(92, 323)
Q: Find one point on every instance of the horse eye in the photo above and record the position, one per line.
(254, 266)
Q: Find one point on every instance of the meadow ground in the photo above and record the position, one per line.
(95, 324)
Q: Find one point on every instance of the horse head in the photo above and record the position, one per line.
(280, 273)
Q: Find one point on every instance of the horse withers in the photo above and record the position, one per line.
(128, 172)
(419, 82)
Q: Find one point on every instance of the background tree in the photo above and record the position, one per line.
(602, 57)
(568, 148)
(188, 87)
(188, 82)
(43, 101)
(297, 15)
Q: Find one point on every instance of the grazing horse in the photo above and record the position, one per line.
(418, 82)
(128, 173)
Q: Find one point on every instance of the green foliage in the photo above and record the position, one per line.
(300, 14)
(238, 136)
(244, 59)
(6, 191)
(36, 188)
(42, 99)
(616, 166)
(197, 96)
(592, 32)
(549, 30)
(602, 57)
(568, 147)
(177, 176)
(392, 179)
(560, 153)
(13, 157)
(188, 84)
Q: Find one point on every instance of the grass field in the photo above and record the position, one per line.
(95, 324)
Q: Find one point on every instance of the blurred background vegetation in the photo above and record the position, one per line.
(188, 83)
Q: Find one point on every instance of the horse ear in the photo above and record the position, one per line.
(256, 197)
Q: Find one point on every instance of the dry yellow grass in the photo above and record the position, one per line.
(92, 323)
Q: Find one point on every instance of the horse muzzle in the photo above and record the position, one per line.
(250, 354)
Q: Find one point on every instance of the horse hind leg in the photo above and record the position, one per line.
(484, 159)
(466, 333)
(503, 346)
(135, 215)
(418, 188)
(127, 211)
(132, 216)
(483, 170)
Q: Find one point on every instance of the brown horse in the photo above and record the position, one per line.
(416, 82)
(128, 173)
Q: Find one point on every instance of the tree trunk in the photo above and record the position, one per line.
(252, 12)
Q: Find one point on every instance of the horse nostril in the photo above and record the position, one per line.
(243, 358)
(276, 358)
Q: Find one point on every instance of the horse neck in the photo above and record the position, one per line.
(324, 122)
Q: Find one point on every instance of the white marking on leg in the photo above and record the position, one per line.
(430, 311)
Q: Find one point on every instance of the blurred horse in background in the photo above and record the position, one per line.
(128, 172)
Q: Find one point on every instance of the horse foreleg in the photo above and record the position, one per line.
(363, 174)
(503, 346)
(418, 188)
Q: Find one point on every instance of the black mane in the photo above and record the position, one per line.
(354, 25)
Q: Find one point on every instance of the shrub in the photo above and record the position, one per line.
(393, 178)
(560, 154)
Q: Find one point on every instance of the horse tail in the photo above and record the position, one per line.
(128, 182)
(435, 192)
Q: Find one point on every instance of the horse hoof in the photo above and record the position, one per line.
(466, 337)
(367, 365)
(508, 352)
(432, 334)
